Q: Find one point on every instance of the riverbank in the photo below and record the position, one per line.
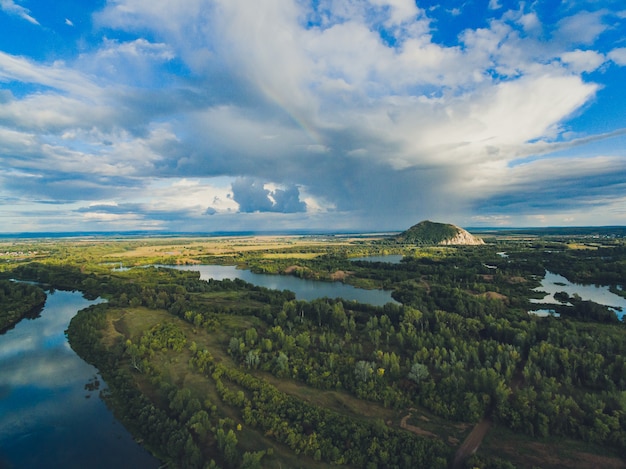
(19, 301)
(52, 415)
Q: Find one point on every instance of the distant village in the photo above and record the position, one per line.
(19, 254)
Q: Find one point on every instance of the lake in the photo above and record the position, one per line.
(304, 289)
(51, 412)
(553, 283)
(388, 258)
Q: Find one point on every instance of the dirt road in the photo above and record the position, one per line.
(472, 442)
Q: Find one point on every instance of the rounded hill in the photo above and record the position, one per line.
(429, 232)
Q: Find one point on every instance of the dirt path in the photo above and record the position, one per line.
(414, 429)
(478, 433)
(472, 442)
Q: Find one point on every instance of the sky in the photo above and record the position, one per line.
(338, 115)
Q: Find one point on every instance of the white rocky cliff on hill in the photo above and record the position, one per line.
(430, 233)
(463, 237)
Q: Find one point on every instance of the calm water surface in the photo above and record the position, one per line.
(389, 258)
(553, 283)
(48, 418)
(304, 289)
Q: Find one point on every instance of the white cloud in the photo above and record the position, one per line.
(402, 11)
(581, 28)
(618, 56)
(332, 101)
(580, 61)
(119, 219)
(530, 22)
(493, 123)
(136, 63)
(110, 203)
(491, 220)
(51, 111)
(56, 75)
(185, 24)
(529, 108)
(17, 142)
(136, 49)
(191, 194)
(10, 7)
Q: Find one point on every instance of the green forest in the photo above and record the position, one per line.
(229, 374)
(18, 301)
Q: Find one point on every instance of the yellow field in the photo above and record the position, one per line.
(302, 255)
(227, 246)
(582, 246)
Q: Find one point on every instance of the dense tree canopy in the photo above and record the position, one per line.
(225, 373)
(18, 300)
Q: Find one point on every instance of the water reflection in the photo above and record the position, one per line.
(46, 419)
(304, 289)
(388, 258)
(553, 283)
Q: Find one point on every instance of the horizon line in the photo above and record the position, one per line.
(304, 232)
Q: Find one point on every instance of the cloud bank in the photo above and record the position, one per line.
(363, 114)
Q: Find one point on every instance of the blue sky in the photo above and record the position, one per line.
(212, 115)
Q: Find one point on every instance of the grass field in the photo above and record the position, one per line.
(526, 452)
(267, 246)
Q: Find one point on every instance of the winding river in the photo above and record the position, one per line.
(304, 289)
(50, 412)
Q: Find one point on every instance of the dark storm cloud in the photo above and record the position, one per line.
(582, 184)
(65, 188)
(252, 196)
(136, 211)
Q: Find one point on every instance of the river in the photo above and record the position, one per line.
(50, 412)
(553, 283)
(304, 289)
(52, 415)
(388, 258)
